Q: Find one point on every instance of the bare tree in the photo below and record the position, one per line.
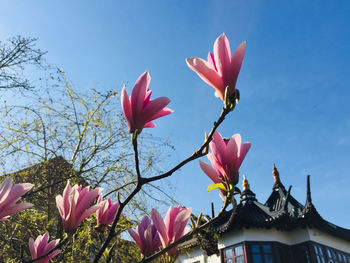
(88, 131)
(15, 55)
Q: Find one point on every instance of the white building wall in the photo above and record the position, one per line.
(197, 256)
(330, 241)
(194, 255)
(258, 234)
(290, 238)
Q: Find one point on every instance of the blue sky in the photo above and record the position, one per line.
(294, 106)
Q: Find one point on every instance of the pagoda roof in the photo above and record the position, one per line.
(281, 211)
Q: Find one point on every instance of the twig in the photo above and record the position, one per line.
(202, 150)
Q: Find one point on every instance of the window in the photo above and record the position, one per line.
(326, 254)
(261, 253)
(319, 254)
(234, 254)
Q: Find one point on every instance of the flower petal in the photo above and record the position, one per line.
(211, 61)
(135, 236)
(207, 74)
(236, 63)
(139, 93)
(126, 107)
(210, 172)
(218, 148)
(165, 111)
(244, 150)
(149, 125)
(153, 108)
(180, 222)
(5, 188)
(32, 248)
(15, 209)
(159, 224)
(222, 56)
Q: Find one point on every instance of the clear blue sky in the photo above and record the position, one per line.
(294, 81)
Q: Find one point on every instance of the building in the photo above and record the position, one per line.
(281, 230)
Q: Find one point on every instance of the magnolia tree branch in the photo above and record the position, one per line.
(202, 151)
(196, 154)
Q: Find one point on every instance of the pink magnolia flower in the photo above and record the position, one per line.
(173, 226)
(75, 205)
(226, 157)
(146, 236)
(40, 247)
(139, 110)
(221, 70)
(9, 195)
(106, 214)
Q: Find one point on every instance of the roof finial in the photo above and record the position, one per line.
(308, 193)
(275, 174)
(245, 183)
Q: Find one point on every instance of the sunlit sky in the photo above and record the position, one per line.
(294, 82)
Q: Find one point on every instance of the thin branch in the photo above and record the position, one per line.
(141, 181)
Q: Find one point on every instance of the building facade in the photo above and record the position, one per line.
(279, 231)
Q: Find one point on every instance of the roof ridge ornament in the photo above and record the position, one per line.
(245, 183)
(275, 174)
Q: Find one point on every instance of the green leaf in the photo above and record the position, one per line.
(217, 186)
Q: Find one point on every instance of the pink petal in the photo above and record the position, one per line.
(210, 172)
(87, 213)
(159, 224)
(222, 56)
(126, 107)
(101, 213)
(236, 63)
(51, 245)
(135, 236)
(207, 74)
(87, 200)
(153, 108)
(145, 222)
(180, 222)
(218, 147)
(41, 246)
(5, 188)
(220, 168)
(165, 111)
(149, 125)
(211, 61)
(15, 194)
(233, 147)
(170, 219)
(111, 213)
(244, 150)
(60, 205)
(71, 217)
(139, 93)
(65, 198)
(32, 248)
(156, 239)
(148, 241)
(15, 209)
